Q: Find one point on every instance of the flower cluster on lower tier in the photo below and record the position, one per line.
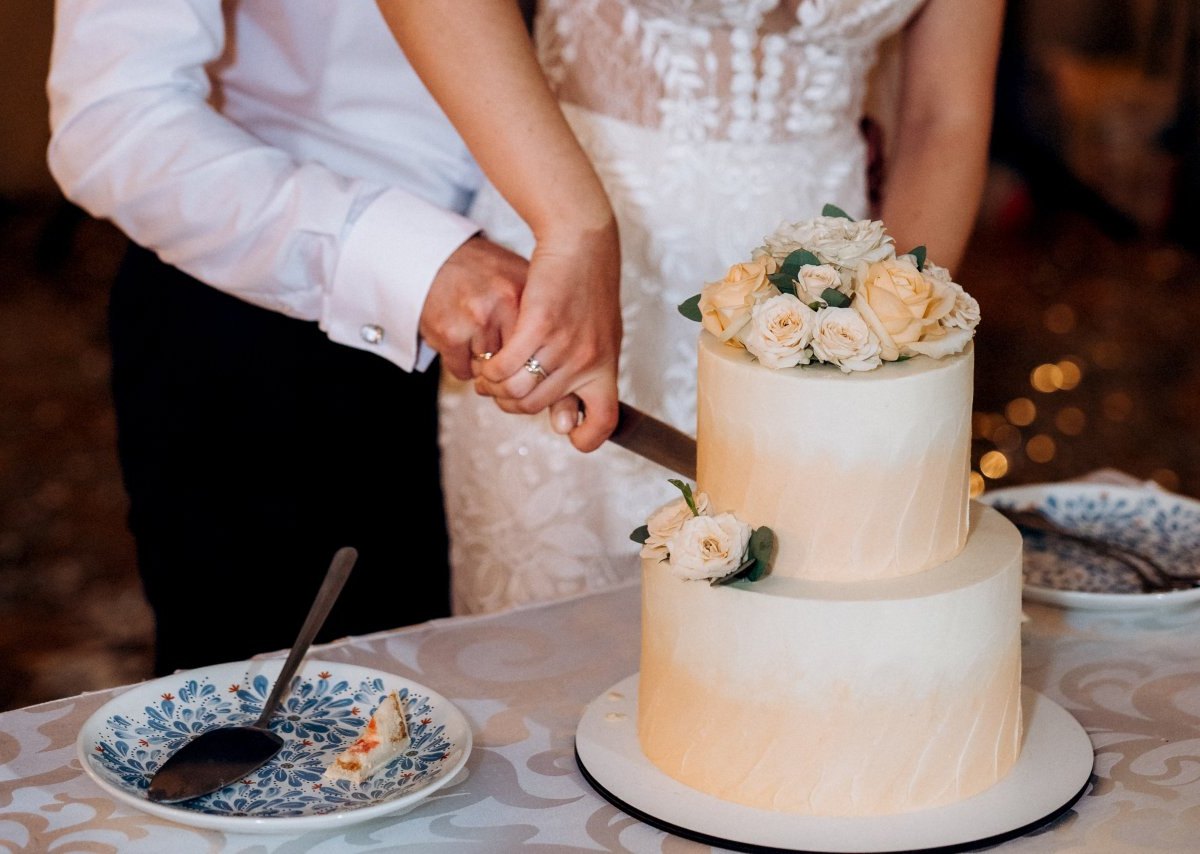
(697, 544)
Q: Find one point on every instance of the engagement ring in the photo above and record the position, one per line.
(483, 357)
(535, 367)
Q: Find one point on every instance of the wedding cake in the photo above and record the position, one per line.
(875, 667)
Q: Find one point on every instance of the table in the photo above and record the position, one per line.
(523, 677)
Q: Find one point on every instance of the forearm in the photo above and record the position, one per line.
(500, 103)
(935, 178)
(134, 140)
(933, 190)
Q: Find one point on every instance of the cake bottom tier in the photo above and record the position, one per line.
(825, 698)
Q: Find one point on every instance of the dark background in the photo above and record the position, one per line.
(1084, 262)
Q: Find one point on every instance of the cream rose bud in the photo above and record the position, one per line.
(844, 339)
(814, 279)
(708, 546)
(725, 305)
(899, 303)
(666, 521)
(779, 331)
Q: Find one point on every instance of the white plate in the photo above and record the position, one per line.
(1049, 776)
(1161, 524)
(123, 743)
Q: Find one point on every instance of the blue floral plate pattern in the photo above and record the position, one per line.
(124, 742)
(1159, 524)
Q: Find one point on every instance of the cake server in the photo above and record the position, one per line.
(655, 440)
(220, 756)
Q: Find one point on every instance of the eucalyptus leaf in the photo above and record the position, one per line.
(762, 542)
(785, 283)
(687, 495)
(729, 578)
(640, 535)
(834, 210)
(797, 259)
(835, 298)
(690, 308)
(919, 256)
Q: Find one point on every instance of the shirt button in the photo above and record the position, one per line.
(371, 333)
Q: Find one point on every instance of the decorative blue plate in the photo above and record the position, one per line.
(1159, 524)
(123, 743)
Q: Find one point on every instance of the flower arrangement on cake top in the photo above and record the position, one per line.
(697, 545)
(833, 290)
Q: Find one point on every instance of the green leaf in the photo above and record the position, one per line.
(640, 535)
(762, 543)
(731, 577)
(797, 259)
(919, 255)
(835, 298)
(834, 210)
(690, 308)
(687, 495)
(785, 283)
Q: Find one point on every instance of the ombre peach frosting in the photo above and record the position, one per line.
(876, 667)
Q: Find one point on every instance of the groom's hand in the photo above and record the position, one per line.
(472, 304)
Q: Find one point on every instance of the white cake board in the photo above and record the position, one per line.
(1051, 773)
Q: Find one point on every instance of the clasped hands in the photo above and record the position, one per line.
(542, 334)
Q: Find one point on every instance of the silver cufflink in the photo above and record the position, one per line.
(371, 333)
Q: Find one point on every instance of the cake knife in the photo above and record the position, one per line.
(655, 440)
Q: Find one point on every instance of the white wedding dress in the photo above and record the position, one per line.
(710, 123)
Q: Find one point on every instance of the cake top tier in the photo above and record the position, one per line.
(834, 290)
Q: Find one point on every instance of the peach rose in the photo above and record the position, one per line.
(725, 306)
(899, 303)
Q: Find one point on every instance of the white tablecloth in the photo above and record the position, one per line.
(522, 679)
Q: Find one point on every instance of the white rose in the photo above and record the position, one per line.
(965, 314)
(780, 331)
(844, 339)
(666, 521)
(813, 281)
(944, 341)
(833, 239)
(708, 546)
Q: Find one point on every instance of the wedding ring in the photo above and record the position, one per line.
(483, 357)
(535, 367)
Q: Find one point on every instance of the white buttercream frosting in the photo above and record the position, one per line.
(836, 698)
(861, 476)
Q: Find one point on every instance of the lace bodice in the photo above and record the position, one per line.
(740, 70)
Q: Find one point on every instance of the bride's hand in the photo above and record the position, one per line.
(567, 336)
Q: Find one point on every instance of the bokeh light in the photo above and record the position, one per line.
(1046, 378)
(993, 465)
(1070, 420)
(1021, 411)
(1040, 448)
(1059, 318)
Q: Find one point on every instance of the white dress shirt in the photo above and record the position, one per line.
(284, 152)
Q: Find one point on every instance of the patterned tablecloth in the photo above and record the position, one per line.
(522, 679)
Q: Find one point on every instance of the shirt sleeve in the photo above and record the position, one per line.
(135, 140)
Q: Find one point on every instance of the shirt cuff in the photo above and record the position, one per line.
(387, 263)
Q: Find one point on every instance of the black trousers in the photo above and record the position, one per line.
(252, 448)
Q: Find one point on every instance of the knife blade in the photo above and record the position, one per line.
(655, 440)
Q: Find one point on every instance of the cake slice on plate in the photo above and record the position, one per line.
(383, 738)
